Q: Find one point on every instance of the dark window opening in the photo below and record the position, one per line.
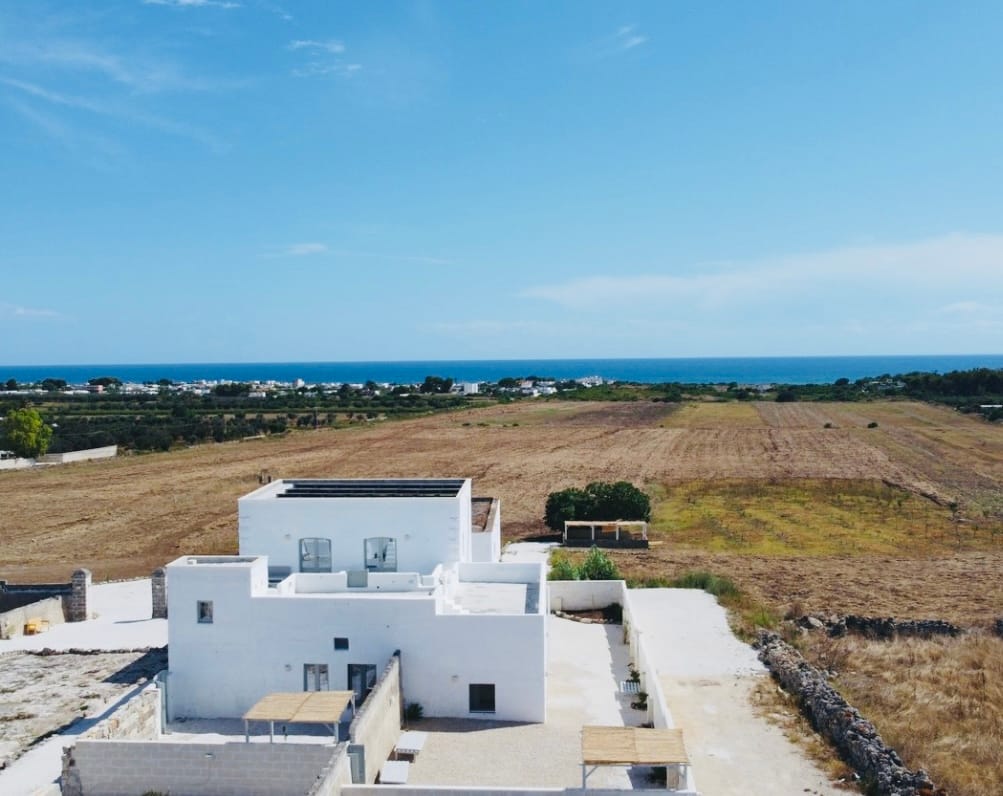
(482, 697)
(204, 612)
(340, 643)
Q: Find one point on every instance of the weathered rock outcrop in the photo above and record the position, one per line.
(856, 739)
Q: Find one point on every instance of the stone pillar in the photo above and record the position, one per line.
(81, 583)
(159, 588)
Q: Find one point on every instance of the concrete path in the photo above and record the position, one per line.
(527, 552)
(585, 664)
(122, 621)
(707, 675)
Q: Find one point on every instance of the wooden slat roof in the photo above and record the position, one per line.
(305, 707)
(609, 746)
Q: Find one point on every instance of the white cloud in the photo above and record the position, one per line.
(966, 308)
(933, 269)
(18, 312)
(304, 249)
(627, 37)
(154, 121)
(324, 58)
(330, 46)
(192, 3)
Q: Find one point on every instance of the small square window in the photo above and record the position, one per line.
(340, 643)
(482, 697)
(205, 612)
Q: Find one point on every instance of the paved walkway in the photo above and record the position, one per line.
(707, 675)
(585, 664)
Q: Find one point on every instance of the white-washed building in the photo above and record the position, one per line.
(334, 576)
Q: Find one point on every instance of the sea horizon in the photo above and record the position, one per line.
(689, 370)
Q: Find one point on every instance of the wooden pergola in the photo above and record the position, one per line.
(606, 526)
(631, 746)
(299, 707)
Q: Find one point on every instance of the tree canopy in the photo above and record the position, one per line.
(25, 433)
(599, 500)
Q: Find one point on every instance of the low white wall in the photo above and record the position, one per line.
(585, 595)
(16, 464)
(500, 573)
(107, 452)
(12, 622)
(125, 768)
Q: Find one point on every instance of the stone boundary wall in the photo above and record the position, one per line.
(377, 725)
(127, 768)
(856, 739)
(879, 627)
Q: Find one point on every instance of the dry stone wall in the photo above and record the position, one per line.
(856, 739)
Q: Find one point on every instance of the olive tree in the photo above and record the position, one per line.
(25, 433)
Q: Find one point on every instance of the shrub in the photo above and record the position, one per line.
(562, 569)
(599, 500)
(414, 711)
(872, 424)
(598, 566)
(712, 584)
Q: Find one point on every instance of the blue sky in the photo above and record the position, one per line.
(262, 180)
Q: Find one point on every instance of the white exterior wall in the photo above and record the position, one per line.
(486, 544)
(259, 644)
(428, 530)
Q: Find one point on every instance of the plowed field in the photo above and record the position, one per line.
(718, 472)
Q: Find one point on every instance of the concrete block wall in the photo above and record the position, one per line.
(158, 586)
(377, 725)
(76, 602)
(137, 719)
(337, 774)
(126, 768)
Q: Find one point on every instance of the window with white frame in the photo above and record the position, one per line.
(315, 555)
(315, 677)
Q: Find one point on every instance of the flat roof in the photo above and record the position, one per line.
(612, 746)
(361, 488)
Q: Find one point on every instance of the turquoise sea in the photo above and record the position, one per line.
(745, 370)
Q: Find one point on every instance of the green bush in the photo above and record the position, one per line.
(598, 566)
(712, 584)
(599, 500)
(562, 569)
(414, 711)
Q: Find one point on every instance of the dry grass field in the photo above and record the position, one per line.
(903, 519)
(939, 702)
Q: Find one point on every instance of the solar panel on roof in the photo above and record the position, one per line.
(314, 488)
